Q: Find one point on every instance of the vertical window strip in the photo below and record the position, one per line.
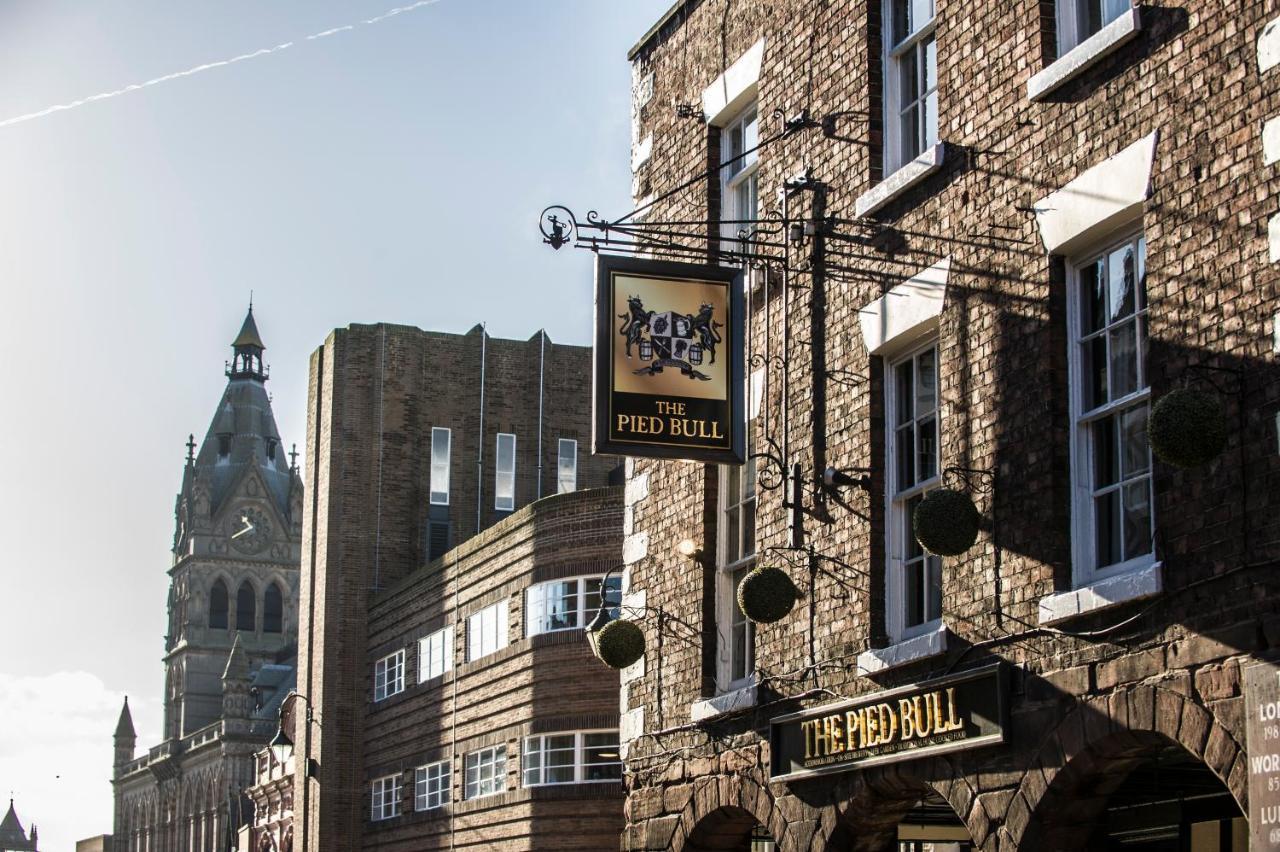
(911, 81)
(1114, 524)
(441, 440)
(567, 466)
(504, 498)
(915, 582)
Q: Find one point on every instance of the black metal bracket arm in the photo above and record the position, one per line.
(977, 480)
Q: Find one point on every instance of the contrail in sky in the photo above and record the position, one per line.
(209, 66)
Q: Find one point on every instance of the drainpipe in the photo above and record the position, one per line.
(484, 339)
(542, 363)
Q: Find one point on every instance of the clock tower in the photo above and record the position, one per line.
(236, 547)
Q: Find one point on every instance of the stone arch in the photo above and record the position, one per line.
(882, 796)
(247, 605)
(1093, 750)
(218, 613)
(721, 812)
(273, 607)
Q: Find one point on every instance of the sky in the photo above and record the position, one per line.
(393, 171)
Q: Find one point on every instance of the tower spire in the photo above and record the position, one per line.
(247, 348)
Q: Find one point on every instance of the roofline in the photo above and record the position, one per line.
(653, 30)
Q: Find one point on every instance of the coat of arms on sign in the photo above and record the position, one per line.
(670, 339)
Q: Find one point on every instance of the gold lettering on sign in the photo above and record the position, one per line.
(915, 717)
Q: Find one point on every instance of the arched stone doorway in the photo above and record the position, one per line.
(921, 806)
(1172, 779)
(729, 829)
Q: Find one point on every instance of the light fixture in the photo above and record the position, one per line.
(281, 743)
(833, 478)
(597, 624)
(689, 549)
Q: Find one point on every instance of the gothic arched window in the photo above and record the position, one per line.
(246, 607)
(273, 610)
(218, 606)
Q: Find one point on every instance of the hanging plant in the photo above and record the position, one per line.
(766, 594)
(1187, 428)
(620, 643)
(945, 522)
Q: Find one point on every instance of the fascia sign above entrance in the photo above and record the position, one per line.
(963, 711)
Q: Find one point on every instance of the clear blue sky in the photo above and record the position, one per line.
(393, 172)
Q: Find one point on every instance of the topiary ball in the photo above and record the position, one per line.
(766, 594)
(620, 643)
(945, 522)
(1187, 428)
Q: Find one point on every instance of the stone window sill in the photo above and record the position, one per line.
(738, 699)
(922, 647)
(900, 181)
(1112, 591)
(1085, 54)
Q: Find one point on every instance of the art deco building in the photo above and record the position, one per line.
(456, 537)
(231, 648)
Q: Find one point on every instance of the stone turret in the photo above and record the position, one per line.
(125, 737)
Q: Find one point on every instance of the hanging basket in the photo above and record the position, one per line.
(620, 643)
(766, 594)
(1187, 428)
(945, 522)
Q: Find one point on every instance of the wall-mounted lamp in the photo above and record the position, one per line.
(833, 478)
(689, 549)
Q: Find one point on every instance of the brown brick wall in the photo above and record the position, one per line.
(1192, 75)
(375, 392)
(540, 684)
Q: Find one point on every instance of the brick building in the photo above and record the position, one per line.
(455, 538)
(1019, 226)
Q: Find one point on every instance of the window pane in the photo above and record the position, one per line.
(1137, 518)
(913, 593)
(901, 20)
(440, 439)
(748, 546)
(567, 466)
(927, 385)
(1107, 528)
(910, 547)
(904, 380)
(1124, 360)
(933, 602)
(732, 551)
(904, 449)
(1121, 279)
(1093, 298)
(1094, 366)
(562, 605)
(909, 131)
(1134, 455)
(1105, 464)
(928, 449)
(505, 473)
(740, 632)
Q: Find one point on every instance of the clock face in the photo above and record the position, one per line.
(250, 530)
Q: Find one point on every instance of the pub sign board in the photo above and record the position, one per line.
(668, 361)
(963, 711)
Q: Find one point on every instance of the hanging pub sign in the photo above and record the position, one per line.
(949, 714)
(668, 360)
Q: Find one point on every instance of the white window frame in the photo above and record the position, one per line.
(435, 654)
(384, 797)
(533, 770)
(897, 499)
(503, 477)
(566, 449)
(739, 175)
(733, 673)
(439, 487)
(535, 603)
(494, 759)
(1085, 569)
(916, 41)
(388, 676)
(1070, 15)
(487, 631)
(438, 774)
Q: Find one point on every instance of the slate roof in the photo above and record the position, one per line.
(12, 837)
